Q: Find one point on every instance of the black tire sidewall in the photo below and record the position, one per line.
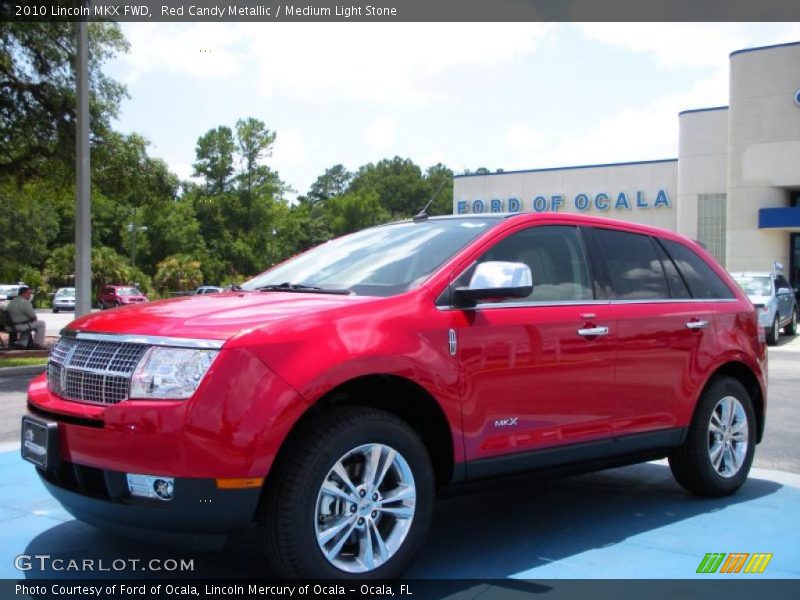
(698, 435)
(388, 432)
(774, 332)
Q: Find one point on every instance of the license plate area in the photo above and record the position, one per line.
(40, 442)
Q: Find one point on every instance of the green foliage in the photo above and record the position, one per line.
(37, 95)
(214, 152)
(108, 268)
(178, 273)
(355, 210)
(398, 183)
(333, 182)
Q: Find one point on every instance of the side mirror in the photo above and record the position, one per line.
(782, 291)
(496, 280)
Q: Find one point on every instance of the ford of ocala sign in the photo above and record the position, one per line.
(581, 202)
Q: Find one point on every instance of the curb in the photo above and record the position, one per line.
(25, 370)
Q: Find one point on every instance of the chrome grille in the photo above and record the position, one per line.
(91, 370)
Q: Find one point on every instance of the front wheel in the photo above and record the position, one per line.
(55, 311)
(715, 458)
(791, 328)
(352, 497)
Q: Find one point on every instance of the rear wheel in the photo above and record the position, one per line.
(774, 334)
(791, 328)
(352, 497)
(55, 311)
(716, 456)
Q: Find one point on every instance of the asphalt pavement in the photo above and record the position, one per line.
(634, 522)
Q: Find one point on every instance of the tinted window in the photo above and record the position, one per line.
(635, 269)
(677, 286)
(703, 282)
(780, 282)
(556, 258)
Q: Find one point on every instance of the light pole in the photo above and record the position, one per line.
(133, 231)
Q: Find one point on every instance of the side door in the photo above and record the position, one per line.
(666, 341)
(536, 374)
(785, 303)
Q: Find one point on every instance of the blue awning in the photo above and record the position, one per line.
(779, 218)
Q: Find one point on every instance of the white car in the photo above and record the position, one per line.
(208, 289)
(64, 299)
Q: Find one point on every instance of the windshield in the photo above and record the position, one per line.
(381, 261)
(755, 285)
(69, 292)
(128, 292)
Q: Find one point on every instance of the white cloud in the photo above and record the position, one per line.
(373, 62)
(289, 149)
(381, 133)
(690, 44)
(203, 50)
(522, 137)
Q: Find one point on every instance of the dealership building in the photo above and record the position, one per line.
(735, 185)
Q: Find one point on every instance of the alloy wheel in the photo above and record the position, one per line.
(728, 436)
(365, 508)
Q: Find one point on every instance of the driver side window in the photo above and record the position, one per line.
(556, 259)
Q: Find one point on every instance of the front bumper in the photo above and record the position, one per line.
(200, 516)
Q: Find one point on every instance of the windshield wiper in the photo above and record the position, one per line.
(301, 289)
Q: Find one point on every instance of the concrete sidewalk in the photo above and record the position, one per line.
(624, 523)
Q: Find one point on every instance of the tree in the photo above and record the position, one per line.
(439, 180)
(354, 211)
(37, 92)
(333, 182)
(179, 272)
(214, 153)
(108, 268)
(398, 183)
(254, 142)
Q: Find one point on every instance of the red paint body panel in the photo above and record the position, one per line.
(285, 351)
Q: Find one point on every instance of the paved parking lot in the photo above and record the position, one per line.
(623, 523)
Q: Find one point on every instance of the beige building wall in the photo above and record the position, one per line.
(702, 162)
(763, 152)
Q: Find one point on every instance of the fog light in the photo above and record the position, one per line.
(151, 486)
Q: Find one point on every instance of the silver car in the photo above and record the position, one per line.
(64, 299)
(774, 299)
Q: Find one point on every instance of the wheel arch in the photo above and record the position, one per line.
(399, 396)
(745, 375)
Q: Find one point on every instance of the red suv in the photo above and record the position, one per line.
(333, 396)
(120, 295)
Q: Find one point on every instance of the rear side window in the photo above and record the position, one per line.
(676, 283)
(633, 265)
(556, 258)
(703, 282)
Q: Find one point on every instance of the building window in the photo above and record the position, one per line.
(712, 223)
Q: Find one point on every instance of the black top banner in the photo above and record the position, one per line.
(400, 10)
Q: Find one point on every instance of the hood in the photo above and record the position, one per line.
(211, 316)
(763, 300)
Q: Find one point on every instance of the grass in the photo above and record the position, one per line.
(22, 362)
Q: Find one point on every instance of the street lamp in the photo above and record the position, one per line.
(133, 231)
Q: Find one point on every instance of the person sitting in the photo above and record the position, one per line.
(20, 310)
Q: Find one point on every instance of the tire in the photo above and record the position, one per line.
(774, 333)
(295, 509)
(55, 311)
(117, 304)
(693, 463)
(791, 328)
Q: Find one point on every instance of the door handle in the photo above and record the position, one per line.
(593, 331)
(696, 324)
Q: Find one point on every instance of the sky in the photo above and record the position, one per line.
(497, 95)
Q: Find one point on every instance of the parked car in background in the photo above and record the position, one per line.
(774, 300)
(7, 292)
(64, 299)
(333, 395)
(120, 295)
(208, 289)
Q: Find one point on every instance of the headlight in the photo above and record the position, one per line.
(170, 373)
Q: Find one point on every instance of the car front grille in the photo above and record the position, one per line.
(92, 371)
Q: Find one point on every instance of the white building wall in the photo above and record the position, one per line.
(643, 184)
(763, 151)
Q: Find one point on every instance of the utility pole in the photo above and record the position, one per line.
(83, 212)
